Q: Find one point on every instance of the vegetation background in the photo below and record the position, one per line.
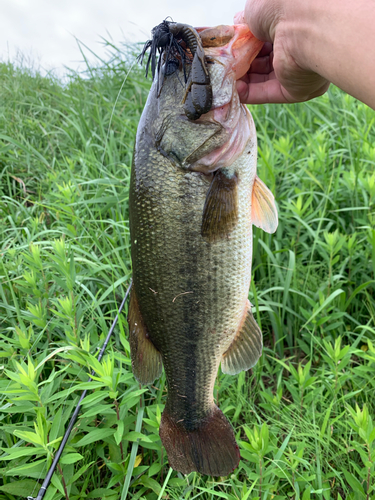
(303, 417)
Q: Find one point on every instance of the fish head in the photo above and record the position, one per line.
(217, 137)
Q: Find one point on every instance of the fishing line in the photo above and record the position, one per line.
(73, 419)
(113, 109)
(47, 480)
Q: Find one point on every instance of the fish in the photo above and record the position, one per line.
(194, 197)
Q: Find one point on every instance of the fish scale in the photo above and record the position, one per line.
(191, 245)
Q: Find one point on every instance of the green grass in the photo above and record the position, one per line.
(304, 417)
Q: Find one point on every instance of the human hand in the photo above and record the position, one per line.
(279, 74)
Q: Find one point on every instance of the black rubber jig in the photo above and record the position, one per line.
(167, 39)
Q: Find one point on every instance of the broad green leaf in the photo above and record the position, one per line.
(70, 458)
(53, 433)
(101, 493)
(120, 431)
(33, 469)
(95, 435)
(354, 483)
(14, 453)
(22, 488)
(30, 437)
(150, 483)
(154, 469)
(134, 436)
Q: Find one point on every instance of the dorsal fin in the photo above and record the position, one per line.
(263, 209)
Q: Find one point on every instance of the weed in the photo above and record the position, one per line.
(304, 416)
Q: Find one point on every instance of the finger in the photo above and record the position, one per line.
(262, 65)
(239, 18)
(262, 17)
(251, 78)
(269, 91)
(266, 49)
(259, 78)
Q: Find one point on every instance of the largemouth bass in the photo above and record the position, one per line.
(194, 197)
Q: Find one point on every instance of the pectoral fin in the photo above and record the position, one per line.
(220, 213)
(146, 359)
(263, 208)
(246, 348)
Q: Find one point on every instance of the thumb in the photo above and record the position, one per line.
(239, 18)
(262, 16)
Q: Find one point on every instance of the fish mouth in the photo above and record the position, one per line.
(235, 46)
(229, 52)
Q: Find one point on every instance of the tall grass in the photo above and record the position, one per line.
(304, 416)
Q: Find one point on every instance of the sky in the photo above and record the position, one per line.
(44, 33)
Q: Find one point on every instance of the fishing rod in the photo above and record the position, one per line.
(47, 480)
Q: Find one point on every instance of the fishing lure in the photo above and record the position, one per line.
(180, 43)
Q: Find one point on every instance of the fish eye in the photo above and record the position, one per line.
(217, 37)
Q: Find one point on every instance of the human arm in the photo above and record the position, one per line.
(314, 42)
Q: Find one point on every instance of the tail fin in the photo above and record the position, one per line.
(210, 448)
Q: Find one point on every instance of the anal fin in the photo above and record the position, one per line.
(146, 359)
(246, 348)
(263, 208)
(220, 212)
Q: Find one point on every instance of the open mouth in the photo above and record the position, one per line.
(234, 42)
